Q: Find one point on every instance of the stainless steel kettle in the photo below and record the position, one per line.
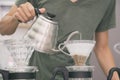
(43, 32)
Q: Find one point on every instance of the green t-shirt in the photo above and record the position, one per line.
(86, 16)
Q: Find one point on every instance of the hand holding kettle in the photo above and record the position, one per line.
(25, 12)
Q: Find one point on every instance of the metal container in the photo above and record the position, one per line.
(43, 33)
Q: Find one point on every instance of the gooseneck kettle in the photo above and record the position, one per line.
(43, 32)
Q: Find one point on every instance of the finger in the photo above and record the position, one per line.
(18, 17)
(30, 8)
(22, 14)
(42, 10)
(27, 12)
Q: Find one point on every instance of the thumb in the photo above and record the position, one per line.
(42, 10)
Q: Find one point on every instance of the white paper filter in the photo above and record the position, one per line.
(80, 47)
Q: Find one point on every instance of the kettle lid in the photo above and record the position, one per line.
(48, 19)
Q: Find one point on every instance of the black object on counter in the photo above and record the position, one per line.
(61, 70)
(6, 75)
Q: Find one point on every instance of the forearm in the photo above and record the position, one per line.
(106, 60)
(24, 13)
(8, 25)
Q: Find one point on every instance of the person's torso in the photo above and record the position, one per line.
(84, 15)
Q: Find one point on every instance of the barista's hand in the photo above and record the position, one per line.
(25, 12)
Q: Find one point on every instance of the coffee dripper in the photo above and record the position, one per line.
(21, 51)
(79, 50)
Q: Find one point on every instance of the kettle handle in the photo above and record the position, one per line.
(61, 46)
(5, 74)
(62, 70)
(37, 12)
(112, 71)
(50, 15)
(74, 33)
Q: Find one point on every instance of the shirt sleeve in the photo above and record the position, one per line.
(18, 2)
(108, 20)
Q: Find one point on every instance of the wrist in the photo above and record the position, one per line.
(16, 20)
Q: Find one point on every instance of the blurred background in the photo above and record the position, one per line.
(21, 30)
